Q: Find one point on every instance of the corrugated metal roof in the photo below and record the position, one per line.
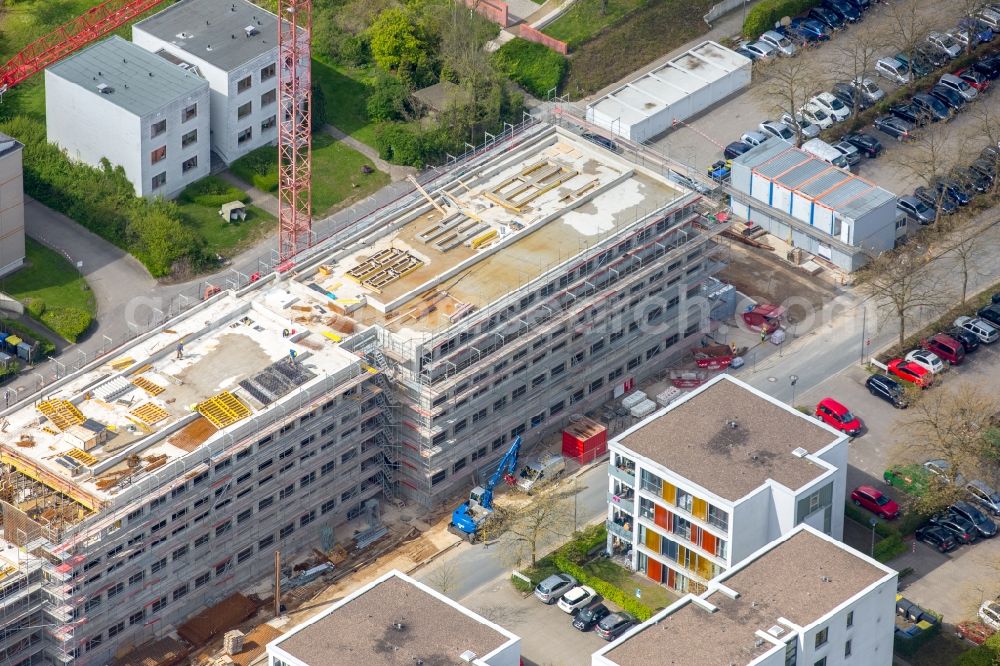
(782, 162)
(803, 173)
(874, 198)
(824, 182)
(849, 190)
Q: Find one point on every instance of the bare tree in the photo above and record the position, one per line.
(929, 158)
(908, 28)
(986, 134)
(790, 83)
(967, 249)
(901, 286)
(445, 577)
(859, 50)
(524, 530)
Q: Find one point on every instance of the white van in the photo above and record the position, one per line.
(826, 152)
(540, 470)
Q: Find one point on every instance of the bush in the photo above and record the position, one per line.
(762, 16)
(35, 307)
(70, 323)
(987, 654)
(536, 68)
(610, 592)
(387, 99)
(889, 547)
(259, 167)
(212, 192)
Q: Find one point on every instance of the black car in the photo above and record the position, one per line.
(932, 106)
(940, 202)
(850, 96)
(614, 625)
(969, 340)
(843, 9)
(827, 17)
(866, 143)
(885, 388)
(910, 114)
(971, 180)
(588, 617)
(936, 536)
(602, 141)
(963, 530)
(735, 149)
(990, 313)
(950, 98)
(984, 525)
(989, 65)
(895, 127)
(987, 168)
(934, 56)
(991, 153)
(916, 66)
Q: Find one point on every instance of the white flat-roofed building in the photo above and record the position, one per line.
(11, 204)
(117, 101)
(697, 487)
(802, 600)
(233, 44)
(396, 620)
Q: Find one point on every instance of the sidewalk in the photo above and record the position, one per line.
(395, 171)
(258, 198)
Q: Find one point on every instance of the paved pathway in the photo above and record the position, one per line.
(395, 171)
(258, 198)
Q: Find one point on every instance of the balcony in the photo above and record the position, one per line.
(626, 504)
(619, 531)
(622, 474)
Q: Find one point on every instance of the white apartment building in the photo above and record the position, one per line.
(396, 620)
(802, 600)
(117, 101)
(11, 204)
(233, 44)
(697, 487)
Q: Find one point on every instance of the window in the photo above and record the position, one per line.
(458, 465)
(93, 643)
(180, 591)
(268, 123)
(158, 155)
(264, 503)
(92, 603)
(202, 580)
(157, 129)
(116, 589)
(189, 163)
(244, 554)
(821, 662)
(159, 180)
(189, 113)
(221, 567)
(201, 541)
(847, 649)
(245, 135)
(264, 465)
(850, 619)
(265, 542)
(684, 500)
(180, 552)
(267, 72)
(159, 605)
(268, 98)
(307, 518)
(822, 636)
(116, 629)
(438, 477)
(327, 468)
(327, 506)
(244, 84)
(159, 564)
(244, 110)
(223, 528)
(286, 531)
(135, 579)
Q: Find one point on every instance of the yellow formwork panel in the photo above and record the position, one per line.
(82, 456)
(223, 409)
(62, 413)
(149, 413)
(122, 363)
(148, 386)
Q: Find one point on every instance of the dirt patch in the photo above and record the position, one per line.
(767, 279)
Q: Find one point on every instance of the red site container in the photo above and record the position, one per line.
(584, 440)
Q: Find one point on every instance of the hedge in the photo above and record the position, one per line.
(610, 592)
(536, 68)
(43, 346)
(70, 323)
(892, 544)
(212, 192)
(987, 654)
(762, 16)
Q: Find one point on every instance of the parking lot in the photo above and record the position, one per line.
(955, 583)
(699, 142)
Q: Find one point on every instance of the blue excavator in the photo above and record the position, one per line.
(470, 514)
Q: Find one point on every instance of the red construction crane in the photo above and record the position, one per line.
(294, 97)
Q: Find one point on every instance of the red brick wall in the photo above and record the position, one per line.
(525, 31)
(494, 10)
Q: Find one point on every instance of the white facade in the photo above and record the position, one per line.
(677, 90)
(683, 534)
(242, 76)
(11, 205)
(161, 140)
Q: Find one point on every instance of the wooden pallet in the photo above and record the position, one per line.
(223, 409)
(82, 456)
(148, 386)
(149, 413)
(62, 413)
(122, 363)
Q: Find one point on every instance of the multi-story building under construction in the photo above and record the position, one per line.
(534, 280)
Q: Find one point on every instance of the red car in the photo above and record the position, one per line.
(875, 501)
(974, 632)
(835, 415)
(975, 79)
(910, 372)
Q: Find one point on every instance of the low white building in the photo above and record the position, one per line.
(11, 204)
(396, 620)
(803, 600)
(697, 487)
(117, 101)
(233, 44)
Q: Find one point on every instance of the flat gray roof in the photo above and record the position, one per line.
(800, 578)
(729, 439)
(9, 144)
(395, 622)
(215, 30)
(141, 82)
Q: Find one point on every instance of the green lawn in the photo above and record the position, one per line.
(52, 290)
(652, 595)
(345, 96)
(227, 238)
(584, 20)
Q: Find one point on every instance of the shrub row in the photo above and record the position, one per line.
(892, 544)
(987, 654)
(410, 146)
(70, 323)
(610, 592)
(762, 16)
(259, 168)
(43, 346)
(212, 192)
(536, 68)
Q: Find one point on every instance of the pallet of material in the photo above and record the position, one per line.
(160, 652)
(217, 620)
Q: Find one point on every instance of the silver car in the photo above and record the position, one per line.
(892, 69)
(850, 153)
(945, 43)
(985, 496)
(961, 86)
(552, 588)
(781, 44)
(762, 50)
(869, 89)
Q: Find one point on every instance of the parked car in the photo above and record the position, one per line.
(975, 30)
(984, 495)
(989, 613)
(735, 149)
(990, 17)
(614, 625)
(914, 479)
(951, 189)
(746, 53)
(875, 501)
(869, 89)
(945, 42)
(835, 415)
(969, 340)
(951, 98)
(990, 313)
(850, 96)
(936, 536)
(897, 128)
(941, 203)
(913, 65)
(991, 153)
(959, 85)
(945, 348)
(777, 130)
(974, 78)
(827, 17)
(985, 331)
(987, 168)
(988, 66)
(577, 598)
(806, 128)
(886, 389)
(910, 372)
(941, 469)
(588, 617)
(833, 106)
(850, 153)
(826, 152)
(869, 146)
(779, 42)
(974, 632)
(753, 138)
(811, 29)
(843, 9)
(602, 141)
(972, 180)
(936, 57)
(553, 587)
(910, 113)
(984, 525)
(916, 210)
(816, 116)
(934, 108)
(928, 360)
(762, 51)
(963, 530)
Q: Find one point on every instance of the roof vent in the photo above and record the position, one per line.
(468, 656)
(732, 424)
(398, 626)
(104, 89)
(758, 642)
(776, 631)
(251, 30)
(208, 47)
(800, 452)
(826, 579)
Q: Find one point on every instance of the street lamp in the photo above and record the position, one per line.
(793, 379)
(873, 523)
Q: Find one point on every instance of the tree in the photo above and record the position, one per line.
(986, 133)
(859, 49)
(908, 28)
(445, 577)
(397, 43)
(928, 158)
(791, 82)
(524, 530)
(900, 286)
(967, 249)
